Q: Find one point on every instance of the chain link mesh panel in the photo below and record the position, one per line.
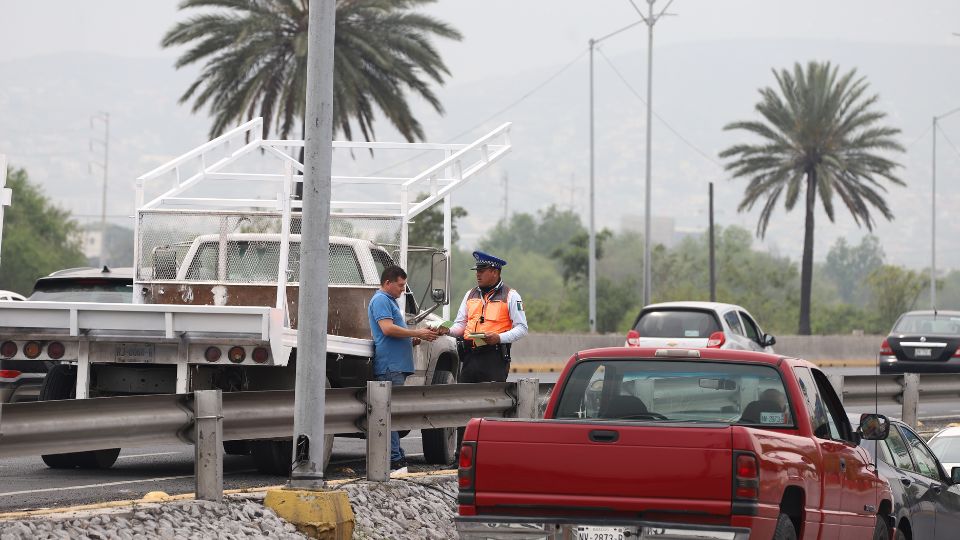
(244, 247)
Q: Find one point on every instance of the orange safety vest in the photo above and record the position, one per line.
(488, 313)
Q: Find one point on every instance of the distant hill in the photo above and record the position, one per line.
(46, 102)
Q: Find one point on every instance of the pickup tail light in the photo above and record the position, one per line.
(956, 353)
(633, 338)
(9, 374)
(885, 349)
(465, 473)
(716, 340)
(746, 477)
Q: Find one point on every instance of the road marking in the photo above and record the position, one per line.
(149, 455)
(415, 455)
(108, 484)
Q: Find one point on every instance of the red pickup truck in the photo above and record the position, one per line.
(677, 444)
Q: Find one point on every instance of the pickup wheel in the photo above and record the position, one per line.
(440, 444)
(785, 529)
(276, 457)
(59, 384)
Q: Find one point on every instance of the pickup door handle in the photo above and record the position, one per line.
(604, 436)
(905, 481)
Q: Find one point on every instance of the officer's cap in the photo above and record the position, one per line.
(484, 260)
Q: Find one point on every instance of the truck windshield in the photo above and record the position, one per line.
(615, 389)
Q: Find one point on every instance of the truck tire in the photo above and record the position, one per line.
(61, 383)
(440, 444)
(276, 457)
(784, 530)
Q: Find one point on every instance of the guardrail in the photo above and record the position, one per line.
(905, 390)
(206, 418)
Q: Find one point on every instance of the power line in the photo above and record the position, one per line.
(945, 136)
(660, 118)
(513, 104)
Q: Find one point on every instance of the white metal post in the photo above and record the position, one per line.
(379, 426)
(310, 394)
(933, 222)
(447, 244)
(592, 244)
(647, 207)
(5, 192)
(208, 444)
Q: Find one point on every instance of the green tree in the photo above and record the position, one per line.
(848, 266)
(255, 54)
(38, 238)
(821, 136)
(574, 257)
(894, 290)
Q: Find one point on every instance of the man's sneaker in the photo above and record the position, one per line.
(398, 467)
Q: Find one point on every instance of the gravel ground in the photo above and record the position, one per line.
(414, 507)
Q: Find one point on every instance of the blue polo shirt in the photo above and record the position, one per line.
(389, 353)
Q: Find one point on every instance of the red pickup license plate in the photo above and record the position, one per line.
(590, 532)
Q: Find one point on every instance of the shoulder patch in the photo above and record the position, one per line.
(519, 305)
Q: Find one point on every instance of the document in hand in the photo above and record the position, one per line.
(478, 339)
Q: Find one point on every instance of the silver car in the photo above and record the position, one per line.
(695, 325)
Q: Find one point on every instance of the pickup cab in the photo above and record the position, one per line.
(675, 443)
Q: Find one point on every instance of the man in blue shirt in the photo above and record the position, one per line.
(393, 342)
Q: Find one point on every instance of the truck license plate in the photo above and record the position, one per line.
(134, 352)
(923, 352)
(590, 532)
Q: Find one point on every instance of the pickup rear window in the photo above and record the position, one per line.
(676, 390)
(259, 261)
(676, 323)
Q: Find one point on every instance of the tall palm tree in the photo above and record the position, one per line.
(821, 135)
(255, 54)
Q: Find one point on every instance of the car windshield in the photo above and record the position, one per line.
(84, 290)
(675, 323)
(928, 324)
(946, 448)
(678, 390)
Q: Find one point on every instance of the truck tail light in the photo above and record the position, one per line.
(32, 349)
(9, 374)
(633, 338)
(8, 349)
(885, 349)
(56, 350)
(716, 340)
(236, 354)
(212, 354)
(260, 355)
(746, 477)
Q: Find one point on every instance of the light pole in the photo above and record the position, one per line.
(105, 118)
(592, 245)
(650, 19)
(933, 213)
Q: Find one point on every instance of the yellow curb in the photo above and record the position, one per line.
(325, 515)
(8, 516)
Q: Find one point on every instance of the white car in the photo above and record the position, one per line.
(946, 445)
(695, 325)
(11, 296)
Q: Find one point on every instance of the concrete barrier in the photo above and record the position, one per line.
(543, 348)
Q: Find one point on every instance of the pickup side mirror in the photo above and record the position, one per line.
(768, 340)
(439, 277)
(955, 475)
(874, 427)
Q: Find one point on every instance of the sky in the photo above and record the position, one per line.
(535, 37)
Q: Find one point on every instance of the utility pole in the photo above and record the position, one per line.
(933, 212)
(105, 118)
(310, 393)
(650, 19)
(713, 266)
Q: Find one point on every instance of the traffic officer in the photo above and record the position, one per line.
(490, 319)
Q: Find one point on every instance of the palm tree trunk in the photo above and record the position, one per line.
(806, 266)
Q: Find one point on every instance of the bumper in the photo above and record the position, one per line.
(890, 364)
(26, 387)
(554, 528)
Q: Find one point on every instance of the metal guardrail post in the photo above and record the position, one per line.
(528, 391)
(208, 443)
(911, 398)
(837, 381)
(378, 430)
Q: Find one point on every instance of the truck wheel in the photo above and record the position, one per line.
(440, 444)
(236, 448)
(61, 383)
(276, 457)
(784, 530)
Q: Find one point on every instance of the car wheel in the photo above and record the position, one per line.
(880, 530)
(900, 535)
(784, 530)
(440, 444)
(61, 383)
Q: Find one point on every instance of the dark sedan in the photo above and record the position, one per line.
(926, 500)
(922, 342)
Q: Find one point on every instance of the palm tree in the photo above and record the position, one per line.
(255, 54)
(821, 135)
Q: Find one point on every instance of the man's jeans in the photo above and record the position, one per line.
(396, 378)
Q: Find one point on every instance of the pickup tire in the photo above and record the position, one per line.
(276, 456)
(785, 529)
(440, 444)
(61, 383)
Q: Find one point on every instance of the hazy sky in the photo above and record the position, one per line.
(507, 35)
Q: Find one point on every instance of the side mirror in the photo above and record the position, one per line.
(874, 427)
(768, 340)
(955, 475)
(439, 276)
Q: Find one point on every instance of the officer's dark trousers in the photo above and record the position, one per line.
(483, 364)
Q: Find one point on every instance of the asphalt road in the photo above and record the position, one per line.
(26, 483)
